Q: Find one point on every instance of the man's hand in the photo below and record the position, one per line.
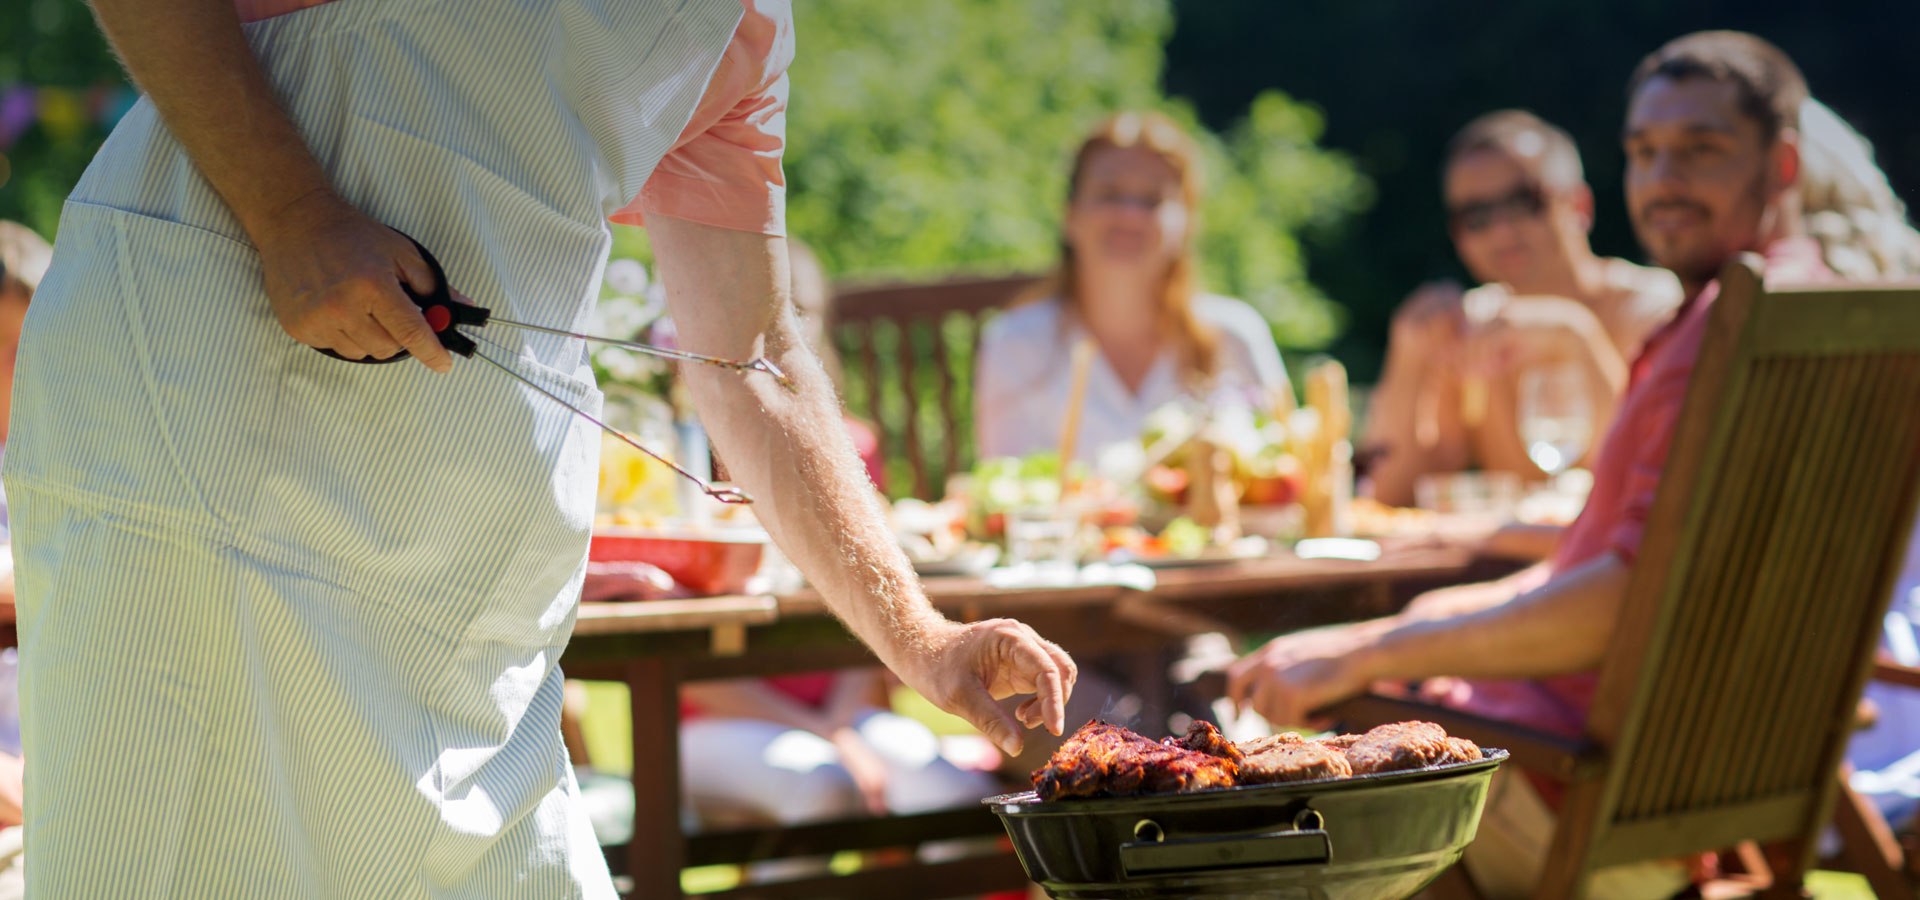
(964, 669)
(334, 278)
(1294, 675)
(1534, 330)
(869, 771)
(1429, 323)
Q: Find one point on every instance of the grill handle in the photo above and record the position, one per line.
(1304, 847)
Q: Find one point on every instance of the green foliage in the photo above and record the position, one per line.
(935, 138)
(50, 43)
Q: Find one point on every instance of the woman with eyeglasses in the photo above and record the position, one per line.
(1126, 281)
(1519, 211)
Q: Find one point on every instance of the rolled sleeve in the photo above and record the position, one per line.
(725, 169)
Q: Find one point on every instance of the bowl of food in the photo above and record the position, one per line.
(709, 562)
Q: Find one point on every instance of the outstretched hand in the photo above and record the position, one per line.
(964, 669)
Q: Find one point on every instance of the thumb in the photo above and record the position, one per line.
(979, 708)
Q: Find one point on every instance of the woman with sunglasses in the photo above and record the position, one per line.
(1519, 211)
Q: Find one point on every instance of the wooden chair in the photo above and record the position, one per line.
(1868, 844)
(1753, 609)
(909, 351)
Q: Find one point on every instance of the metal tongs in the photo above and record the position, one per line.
(445, 316)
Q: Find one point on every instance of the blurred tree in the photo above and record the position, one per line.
(50, 43)
(932, 138)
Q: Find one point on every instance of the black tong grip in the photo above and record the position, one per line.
(443, 313)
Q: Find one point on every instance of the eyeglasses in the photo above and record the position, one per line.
(1525, 202)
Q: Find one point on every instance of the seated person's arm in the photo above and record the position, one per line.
(7, 610)
(1561, 627)
(11, 791)
(1404, 423)
(1522, 540)
(1531, 332)
(855, 691)
(751, 698)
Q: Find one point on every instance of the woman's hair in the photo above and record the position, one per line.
(1198, 344)
(1847, 204)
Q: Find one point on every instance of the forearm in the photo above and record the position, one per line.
(190, 58)
(1393, 429)
(749, 698)
(788, 449)
(1561, 627)
(1524, 541)
(854, 692)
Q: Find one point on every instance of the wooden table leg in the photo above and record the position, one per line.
(658, 849)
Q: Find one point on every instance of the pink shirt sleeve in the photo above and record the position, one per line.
(725, 168)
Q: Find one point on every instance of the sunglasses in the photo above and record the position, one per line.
(1525, 202)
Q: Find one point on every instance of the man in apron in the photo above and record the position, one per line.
(290, 625)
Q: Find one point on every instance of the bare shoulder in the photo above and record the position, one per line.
(1640, 299)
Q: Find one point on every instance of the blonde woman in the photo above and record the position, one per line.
(1125, 280)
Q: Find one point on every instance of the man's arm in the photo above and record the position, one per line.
(728, 292)
(333, 275)
(1561, 627)
(1413, 420)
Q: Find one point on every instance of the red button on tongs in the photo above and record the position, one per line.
(445, 316)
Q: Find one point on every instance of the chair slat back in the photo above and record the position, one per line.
(914, 346)
(1769, 556)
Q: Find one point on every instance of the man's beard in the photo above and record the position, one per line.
(1701, 262)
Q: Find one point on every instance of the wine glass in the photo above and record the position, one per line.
(1556, 416)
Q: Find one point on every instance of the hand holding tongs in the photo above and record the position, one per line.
(445, 315)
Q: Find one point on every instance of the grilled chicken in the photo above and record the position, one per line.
(1102, 760)
(1202, 737)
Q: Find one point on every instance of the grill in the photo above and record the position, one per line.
(1366, 837)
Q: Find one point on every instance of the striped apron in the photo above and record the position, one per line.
(290, 625)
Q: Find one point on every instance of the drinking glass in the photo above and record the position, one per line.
(1556, 416)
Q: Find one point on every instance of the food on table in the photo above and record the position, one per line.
(1407, 745)
(1290, 757)
(1371, 518)
(1106, 760)
(1102, 760)
(1184, 538)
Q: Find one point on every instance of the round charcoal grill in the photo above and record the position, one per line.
(1366, 837)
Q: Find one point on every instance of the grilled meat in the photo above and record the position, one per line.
(1407, 745)
(1289, 757)
(1202, 737)
(1102, 760)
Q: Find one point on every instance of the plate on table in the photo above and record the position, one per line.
(972, 559)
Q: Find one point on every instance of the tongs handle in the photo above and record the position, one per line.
(442, 311)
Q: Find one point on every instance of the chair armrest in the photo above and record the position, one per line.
(1566, 759)
(1891, 673)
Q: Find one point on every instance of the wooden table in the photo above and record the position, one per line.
(656, 646)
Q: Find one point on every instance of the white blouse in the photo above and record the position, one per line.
(1024, 372)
